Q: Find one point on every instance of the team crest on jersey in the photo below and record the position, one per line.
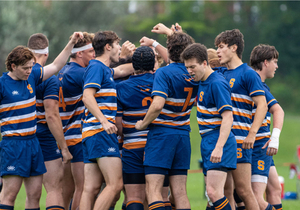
(111, 149)
(29, 88)
(15, 92)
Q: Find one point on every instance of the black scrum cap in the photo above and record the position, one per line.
(143, 59)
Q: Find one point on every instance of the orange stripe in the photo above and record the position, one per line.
(271, 101)
(105, 94)
(171, 103)
(262, 137)
(21, 134)
(256, 91)
(156, 206)
(135, 115)
(223, 107)
(39, 104)
(74, 101)
(156, 91)
(18, 107)
(175, 115)
(40, 117)
(241, 100)
(41, 72)
(130, 202)
(222, 205)
(239, 141)
(69, 117)
(72, 127)
(91, 133)
(108, 108)
(71, 142)
(128, 126)
(92, 84)
(96, 121)
(169, 123)
(242, 114)
(18, 121)
(208, 123)
(135, 145)
(240, 127)
(207, 112)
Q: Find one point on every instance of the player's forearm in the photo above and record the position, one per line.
(225, 128)
(259, 117)
(278, 116)
(163, 52)
(91, 104)
(123, 70)
(59, 61)
(153, 112)
(55, 127)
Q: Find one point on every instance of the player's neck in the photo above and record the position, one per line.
(234, 62)
(261, 74)
(104, 59)
(78, 61)
(208, 72)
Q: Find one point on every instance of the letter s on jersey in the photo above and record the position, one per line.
(29, 88)
(201, 96)
(231, 82)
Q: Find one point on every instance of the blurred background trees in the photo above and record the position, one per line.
(269, 22)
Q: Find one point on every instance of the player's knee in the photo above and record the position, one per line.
(8, 198)
(34, 195)
(211, 193)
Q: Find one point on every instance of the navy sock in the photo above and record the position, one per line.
(123, 206)
(55, 208)
(157, 205)
(210, 208)
(278, 206)
(222, 203)
(134, 205)
(168, 205)
(2, 206)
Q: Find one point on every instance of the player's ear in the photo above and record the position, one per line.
(13, 66)
(108, 47)
(233, 48)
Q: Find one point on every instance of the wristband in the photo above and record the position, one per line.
(154, 44)
(274, 143)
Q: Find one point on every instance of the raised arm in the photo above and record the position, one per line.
(55, 126)
(145, 41)
(62, 58)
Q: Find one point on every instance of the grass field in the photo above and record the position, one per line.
(289, 140)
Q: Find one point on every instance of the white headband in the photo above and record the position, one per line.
(41, 51)
(78, 49)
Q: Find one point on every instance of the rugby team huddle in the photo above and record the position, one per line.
(113, 119)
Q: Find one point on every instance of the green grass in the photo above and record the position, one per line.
(289, 139)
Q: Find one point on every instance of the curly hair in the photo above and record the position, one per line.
(18, 56)
(232, 37)
(176, 43)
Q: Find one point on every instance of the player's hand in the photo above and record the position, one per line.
(145, 41)
(162, 29)
(248, 142)
(67, 156)
(76, 36)
(127, 49)
(139, 125)
(176, 27)
(270, 151)
(109, 127)
(216, 155)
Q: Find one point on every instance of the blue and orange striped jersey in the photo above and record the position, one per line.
(18, 105)
(100, 77)
(174, 83)
(47, 90)
(71, 107)
(134, 99)
(264, 131)
(244, 83)
(214, 97)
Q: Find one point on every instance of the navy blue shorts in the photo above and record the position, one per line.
(100, 145)
(228, 160)
(243, 155)
(132, 160)
(50, 149)
(168, 148)
(21, 157)
(77, 152)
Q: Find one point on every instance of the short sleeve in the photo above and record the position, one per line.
(93, 77)
(221, 95)
(253, 83)
(160, 84)
(52, 88)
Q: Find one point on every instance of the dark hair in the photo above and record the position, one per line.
(102, 38)
(232, 37)
(18, 56)
(176, 43)
(143, 59)
(37, 41)
(260, 53)
(87, 38)
(197, 51)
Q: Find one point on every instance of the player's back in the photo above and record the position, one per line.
(134, 99)
(174, 83)
(71, 107)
